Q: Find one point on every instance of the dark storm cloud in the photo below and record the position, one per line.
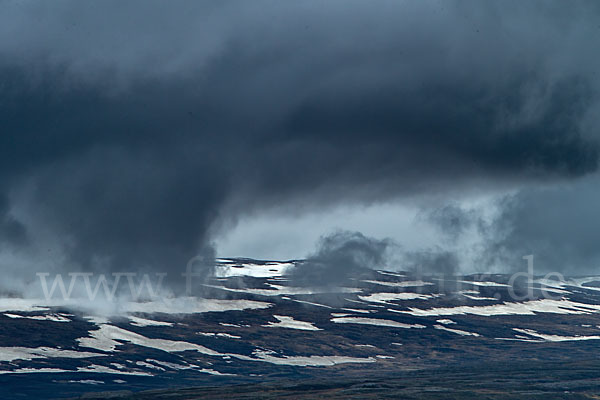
(132, 129)
(345, 255)
(341, 256)
(432, 261)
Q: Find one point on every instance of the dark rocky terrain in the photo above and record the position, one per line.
(256, 335)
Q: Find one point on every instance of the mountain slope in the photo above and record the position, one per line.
(254, 327)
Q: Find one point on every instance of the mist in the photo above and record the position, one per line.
(132, 148)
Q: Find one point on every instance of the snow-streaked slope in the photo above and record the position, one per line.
(555, 338)
(27, 353)
(108, 337)
(47, 317)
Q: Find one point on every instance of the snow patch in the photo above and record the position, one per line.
(28, 353)
(18, 304)
(192, 305)
(456, 331)
(307, 302)
(148, 365)
(400, 284)
(389, 273)
(356, 310)
(102, 369)
(305, 361)
(384, 298)
(34, 370)
(137, 321)
(233, 325)
(280, 290)
(268, 270)
(554, 338)
(484, 283)
(47, 317)
(108, 337)
(375, 321)
(526, 308)
(219, 334)
(468, 296)
(291, 323)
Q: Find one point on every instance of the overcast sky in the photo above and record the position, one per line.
(136, 134)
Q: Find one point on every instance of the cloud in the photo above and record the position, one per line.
(346, 255)
(451, 219)
(133, 144)
(435, 261)
(12, 232)
(558, 225)
(342, 256)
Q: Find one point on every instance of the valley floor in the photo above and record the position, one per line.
(527, 380)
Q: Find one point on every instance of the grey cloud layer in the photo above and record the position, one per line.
(131, 130)
(560, 226)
